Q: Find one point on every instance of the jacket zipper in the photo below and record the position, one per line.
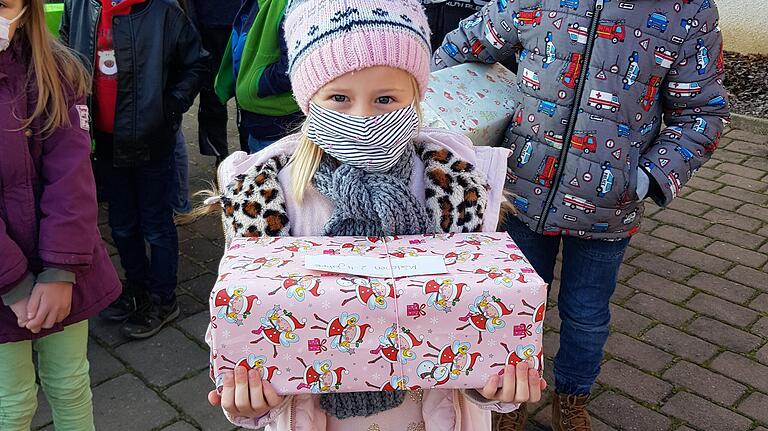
(574, 113)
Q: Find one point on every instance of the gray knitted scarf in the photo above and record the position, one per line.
(369, 204)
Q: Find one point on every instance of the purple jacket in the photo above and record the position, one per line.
(48, 210)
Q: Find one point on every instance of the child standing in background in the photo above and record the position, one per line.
(254, 71)
(147, 71)
(54, 272)
(618, 101)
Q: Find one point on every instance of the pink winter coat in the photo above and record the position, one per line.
(432, 410)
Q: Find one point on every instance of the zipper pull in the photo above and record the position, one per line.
(599, 4)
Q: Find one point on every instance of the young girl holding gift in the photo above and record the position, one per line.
(360, 166)
(54, 271)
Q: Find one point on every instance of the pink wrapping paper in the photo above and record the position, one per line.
(314, 332)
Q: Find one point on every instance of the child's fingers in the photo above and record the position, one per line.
(508, 385)
(214, 398)
(489, 391)
(273, 399)
(257, 394)
(34, 303)
(36, 324)
(242, 398)
(521, 378)
(543, 384)
(534, 385)
(228, 394)
(50, 320)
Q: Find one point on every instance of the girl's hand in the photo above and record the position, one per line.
(245, 394)
(49, 304)
(19, 308)
(521, 384)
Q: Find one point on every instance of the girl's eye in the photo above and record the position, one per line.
(339, 98)
(384, 100)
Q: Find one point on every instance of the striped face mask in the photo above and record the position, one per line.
(374, 144)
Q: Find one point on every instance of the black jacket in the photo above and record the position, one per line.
(160, 61)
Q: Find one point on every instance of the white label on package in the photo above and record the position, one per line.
(376, 267)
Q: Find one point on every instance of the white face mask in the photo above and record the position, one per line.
(5, 29)
(374, 144)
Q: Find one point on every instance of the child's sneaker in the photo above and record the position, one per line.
(124, 306)
(150, 319)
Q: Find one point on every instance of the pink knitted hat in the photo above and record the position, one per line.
(329, 38)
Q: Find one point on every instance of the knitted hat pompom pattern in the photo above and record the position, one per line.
(329, 38)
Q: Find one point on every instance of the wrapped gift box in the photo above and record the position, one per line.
(336, 329)
(472, 98)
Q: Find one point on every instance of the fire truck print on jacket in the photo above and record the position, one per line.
(449, 331)
(604, 87)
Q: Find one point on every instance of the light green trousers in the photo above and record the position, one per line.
(63, 369)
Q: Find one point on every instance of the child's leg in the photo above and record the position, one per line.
(18, 392)
(179, 190)
(540, 250)
(588, 279)
(63, 369)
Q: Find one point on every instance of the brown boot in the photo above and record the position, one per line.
(512, 421)
(569, 413)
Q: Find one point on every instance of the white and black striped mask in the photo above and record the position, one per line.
(374, 144)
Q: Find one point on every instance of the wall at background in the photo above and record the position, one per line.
(744, 24)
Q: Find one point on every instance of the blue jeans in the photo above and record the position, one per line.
(256, 145)
(587, 282)
(179, 190)
(139, 211)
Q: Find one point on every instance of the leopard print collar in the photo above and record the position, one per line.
(456, 196)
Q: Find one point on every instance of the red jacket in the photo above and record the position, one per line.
(48, 210)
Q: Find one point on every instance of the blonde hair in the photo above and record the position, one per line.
(307, 156)
(53, 65)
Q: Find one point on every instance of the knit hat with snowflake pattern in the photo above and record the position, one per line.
(329, 38)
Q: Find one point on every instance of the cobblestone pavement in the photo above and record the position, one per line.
(688, 351)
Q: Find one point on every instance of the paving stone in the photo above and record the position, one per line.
(551, 343)
(103, 366)
(659, 309)
(748, 148)
(107, 332)
(704, 414)
(709, 173)
(721, 287)
(190, 396)
(699, 260)
(196, 325)
(189, 269)
(753, 211)
(180, 426)
(636, 352)
(755, 407)
(681, 220)
(647, 225)
(742, 370)
(754, 162)
(209, 227)
(634, 382)
(739, 171)
(164, 358)
(622, 292)
(700, 183)
(729, 157)
(203, 250)
(761, 327)
(680, 344)
(43, 416)
(652, 244)
(724, 335)
(736, 254)
(745, 183)
(661, 287)
(201, 287)
(741, 135)
(760, 303)
(704, 382)
(685, 205)
(190, 305)
(625, 321)
(625, 414)
(734, 236)
(750, 277)
(721, 309)
(185, 234)
(681, 236)
(758, 198)
(125, 400)
(715, 200)
(661, 266)
(730, 218)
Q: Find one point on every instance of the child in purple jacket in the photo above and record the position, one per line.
(54, 272)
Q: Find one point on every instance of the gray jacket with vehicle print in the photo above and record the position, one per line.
(611, 93)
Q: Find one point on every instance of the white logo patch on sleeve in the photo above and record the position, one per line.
(85, 117)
